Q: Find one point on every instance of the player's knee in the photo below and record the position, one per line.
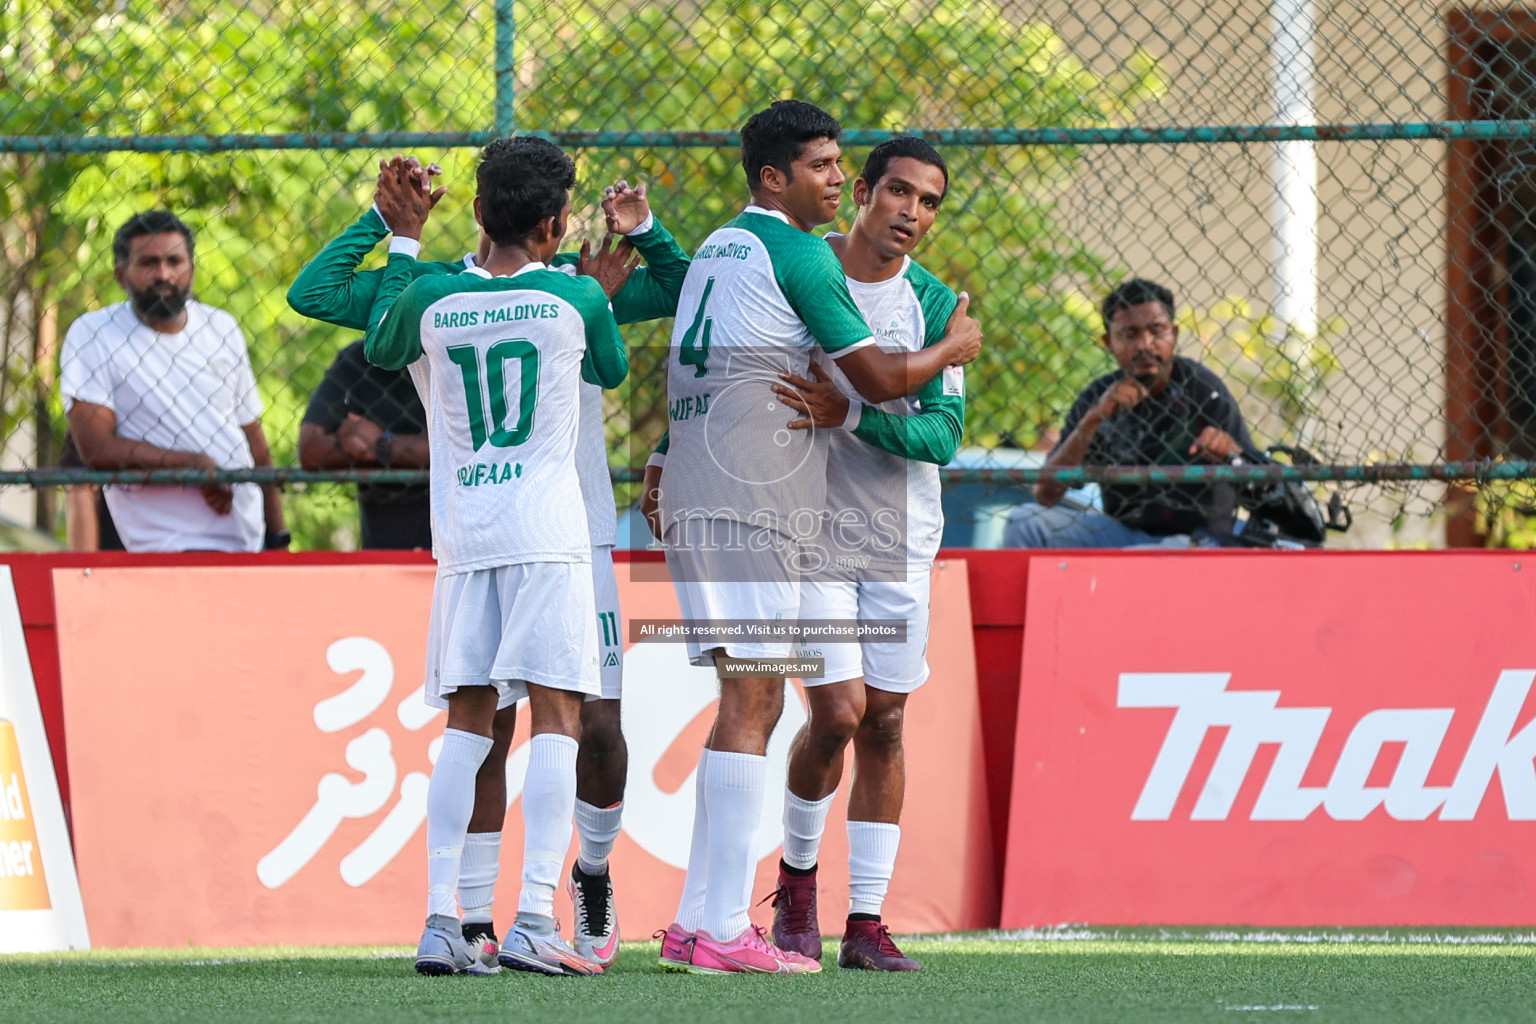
(836, 725)
(880, 730)
(601, 737)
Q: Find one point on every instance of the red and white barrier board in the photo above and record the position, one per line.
(39, 898)
(1276, 741)
(249, 755)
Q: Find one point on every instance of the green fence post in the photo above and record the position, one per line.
(506, 83)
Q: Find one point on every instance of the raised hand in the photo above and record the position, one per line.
(611, 264)
(404, 194)
(1121, 396)
(625, 208)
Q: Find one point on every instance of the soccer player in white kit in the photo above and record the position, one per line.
(332, 289)
(743, 491)
(497, 353)
(883, 468)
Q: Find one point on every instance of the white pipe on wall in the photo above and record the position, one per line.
(1293, 66)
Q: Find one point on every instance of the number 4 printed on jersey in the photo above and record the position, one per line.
(467, 358)
(694, 348)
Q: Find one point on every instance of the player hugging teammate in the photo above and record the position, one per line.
(774, 353)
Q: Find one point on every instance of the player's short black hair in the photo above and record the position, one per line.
(774, 137)
(521, 180)
(1135, 292)
(151, 222)
(902, 145)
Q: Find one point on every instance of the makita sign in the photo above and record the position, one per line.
(1252, 717)
(1330, 739)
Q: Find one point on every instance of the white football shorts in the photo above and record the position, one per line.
(605, 589)
(534, 622)
(742, 576)
(894, 667)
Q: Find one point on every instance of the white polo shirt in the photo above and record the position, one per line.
(192, 392)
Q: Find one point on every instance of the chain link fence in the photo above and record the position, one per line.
(1336, 191)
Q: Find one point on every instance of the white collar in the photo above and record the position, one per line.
(779, 214)
(525, 268)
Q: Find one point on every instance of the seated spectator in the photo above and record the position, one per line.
(164, 382)
(1157, 409)
(368, 417)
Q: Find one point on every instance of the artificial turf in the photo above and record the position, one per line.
(1120, 977)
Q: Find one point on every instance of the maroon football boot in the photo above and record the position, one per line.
(867, 946)
(794, 914)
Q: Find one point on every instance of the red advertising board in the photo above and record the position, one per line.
(249, 755)
(1276, 741)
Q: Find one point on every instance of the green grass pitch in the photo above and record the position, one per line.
(1123, 976)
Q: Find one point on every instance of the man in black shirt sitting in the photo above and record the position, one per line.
(1157, 409)
(366, 417)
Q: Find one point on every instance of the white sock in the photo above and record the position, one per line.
(450, 803)
(804, 822)
(734, 792)
(690, 909)
(871, 862)
(549, 800)
(597, 828)
(477, 875)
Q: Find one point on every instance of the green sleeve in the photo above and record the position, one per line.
(332, 289)
(652, 290)
(329, 287)
(934, 433)
(664, 443)
(605, 364)
(812, 281)
(394, 341)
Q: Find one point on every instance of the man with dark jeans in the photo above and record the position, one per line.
(1157, 409)
(367, 417)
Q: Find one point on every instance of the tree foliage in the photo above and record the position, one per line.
(195, 67)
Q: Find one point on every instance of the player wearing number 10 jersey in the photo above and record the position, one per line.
(331, 288)
(497, 353)
(743, 494)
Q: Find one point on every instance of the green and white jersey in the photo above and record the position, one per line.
(883, 475)
(498, 362)
(759, 295)
(331, 288)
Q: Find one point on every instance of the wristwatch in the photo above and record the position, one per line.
(384, 448)
(278, 541)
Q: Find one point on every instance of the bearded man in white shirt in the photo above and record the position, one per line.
(164, 382)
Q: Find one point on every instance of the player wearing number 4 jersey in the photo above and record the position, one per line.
(883, 467)
(330, 288)
(744, 493)
(497, 353)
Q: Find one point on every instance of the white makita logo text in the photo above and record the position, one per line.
(1251, 717)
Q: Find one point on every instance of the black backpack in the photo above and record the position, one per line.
(1285, 510)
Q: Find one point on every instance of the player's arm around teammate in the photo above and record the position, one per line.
(862, 697)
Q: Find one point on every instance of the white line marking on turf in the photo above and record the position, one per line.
(1083, 933)
(1276, 1006)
